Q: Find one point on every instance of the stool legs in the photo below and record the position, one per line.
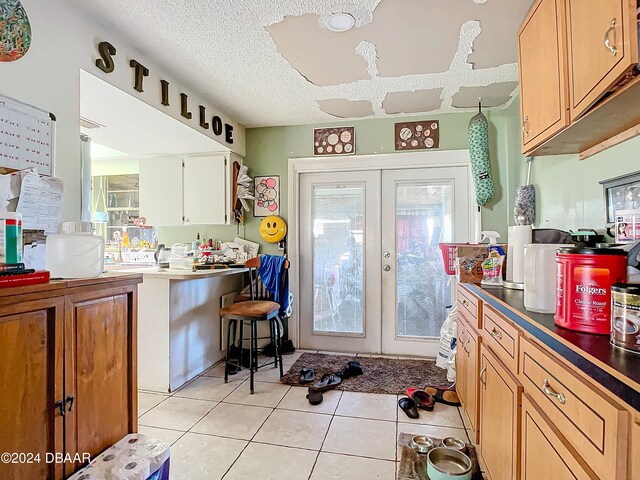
(252, 354)
(278, 345)
(228, 352)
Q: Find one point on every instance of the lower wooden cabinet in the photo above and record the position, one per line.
(500, 397)
(472, 382)
(68, 372)
(544, 455)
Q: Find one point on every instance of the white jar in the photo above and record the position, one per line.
(75, 252)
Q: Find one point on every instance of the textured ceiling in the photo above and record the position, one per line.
(274, 63)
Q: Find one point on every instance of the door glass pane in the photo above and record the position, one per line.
(338, 249)
(424, 217)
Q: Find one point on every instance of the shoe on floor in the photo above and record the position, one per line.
(408, 406)
(423, 399)
(448, 396)
(353, 369)
(314, 396)
(307, 375)
(327, 382)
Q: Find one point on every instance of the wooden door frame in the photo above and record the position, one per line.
(385, 161)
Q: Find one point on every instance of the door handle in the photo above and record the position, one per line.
(386, 268)
(386, 254)
(484, 370)
(525, 126)
(69, 401)
(607, 43)
(60, 406)
(547, 390)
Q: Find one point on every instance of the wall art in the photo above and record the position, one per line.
(267, 201)
(423, 135)
(334, 141)
(15, 31)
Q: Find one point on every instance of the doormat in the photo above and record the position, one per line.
(412, 465)
(381, 375)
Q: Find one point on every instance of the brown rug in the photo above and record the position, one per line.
(412, 466)
(381, 375)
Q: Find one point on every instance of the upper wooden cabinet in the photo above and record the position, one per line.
(574, 56)
(543, 78)
(602, 40)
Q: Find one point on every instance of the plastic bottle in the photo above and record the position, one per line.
(492, 266)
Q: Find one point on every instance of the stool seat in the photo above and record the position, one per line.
(253, 309)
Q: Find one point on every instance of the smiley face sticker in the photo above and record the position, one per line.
(273, 228)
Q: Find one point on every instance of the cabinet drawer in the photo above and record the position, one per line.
(469, 305)
(543, 448)
(502, 337)
(591, 423)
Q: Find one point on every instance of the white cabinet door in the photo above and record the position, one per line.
(205, 192)
(161, 190)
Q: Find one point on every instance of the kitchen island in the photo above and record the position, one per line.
(179, 329)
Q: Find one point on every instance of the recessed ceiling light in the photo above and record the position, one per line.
(340, 22)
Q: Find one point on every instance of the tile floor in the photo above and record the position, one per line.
(220, 431)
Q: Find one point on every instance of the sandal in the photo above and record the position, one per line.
(408, 406)
(447, 396)
(353, 369)
(314, 396)
(327, 382)
(307, 375)
(423, 399)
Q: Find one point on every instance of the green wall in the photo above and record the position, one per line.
(269, 150)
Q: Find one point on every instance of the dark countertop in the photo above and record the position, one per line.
(616, 370)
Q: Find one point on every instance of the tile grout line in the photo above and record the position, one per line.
(313, 467)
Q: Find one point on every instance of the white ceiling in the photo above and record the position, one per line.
(273, 62)
(131, 126)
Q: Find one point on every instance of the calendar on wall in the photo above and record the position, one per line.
(26, 136)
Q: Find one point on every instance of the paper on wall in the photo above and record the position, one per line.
(40, 202)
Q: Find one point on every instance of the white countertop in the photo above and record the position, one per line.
(176, 274)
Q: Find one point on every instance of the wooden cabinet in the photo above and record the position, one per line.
(544, 455)
(187, 190)
(471, 351)
(571, 54)
(602, 39)
(543, 75)
(68, 370)
(500, 397)
(461, 362)
(31, 374)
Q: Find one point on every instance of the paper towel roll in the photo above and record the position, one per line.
(519, 236)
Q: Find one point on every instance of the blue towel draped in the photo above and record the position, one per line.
(275, 279)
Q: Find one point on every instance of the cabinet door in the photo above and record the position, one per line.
(603, 46)
(31, 375)
(205, 190)
(161, 190)
(544, 455)
(499, 419)
(461, 362)
(100, 371)
(543, 72)
(471, 380)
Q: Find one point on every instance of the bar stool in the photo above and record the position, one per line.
(252, 312)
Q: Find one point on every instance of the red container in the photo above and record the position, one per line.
(583, 287)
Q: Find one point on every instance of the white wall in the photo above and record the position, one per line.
(48, 77)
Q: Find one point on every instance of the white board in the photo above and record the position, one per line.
(26, 136)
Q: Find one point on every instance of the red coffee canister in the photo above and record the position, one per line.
(583, 287)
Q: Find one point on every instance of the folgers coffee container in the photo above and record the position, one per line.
(625, 316)
(583, 287)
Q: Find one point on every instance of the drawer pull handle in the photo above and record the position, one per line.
(552, 393)
(525, 127)
(607, 43)
(496, 334)
(482, 372)
(464, 302)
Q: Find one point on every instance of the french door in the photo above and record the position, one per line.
(371, 275)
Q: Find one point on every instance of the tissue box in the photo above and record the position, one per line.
(135, 457)
(469, 260)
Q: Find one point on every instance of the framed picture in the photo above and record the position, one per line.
(334, 141)
(267, 194)
(423, 135)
